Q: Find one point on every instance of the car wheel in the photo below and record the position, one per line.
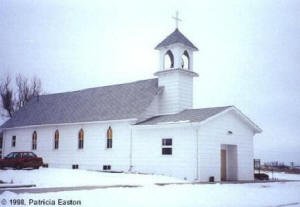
(18, 167)
(36, 167)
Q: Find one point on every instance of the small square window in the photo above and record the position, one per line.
(75, 166)
(106, 167)
(166, 146)
(167, 142)
(166, 151)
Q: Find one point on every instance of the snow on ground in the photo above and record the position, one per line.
(252, 195)
(275, 194)
(283, 176)
(52, 177)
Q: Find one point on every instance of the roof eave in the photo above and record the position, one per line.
(159, 46)
(131, 120)
(256, 128)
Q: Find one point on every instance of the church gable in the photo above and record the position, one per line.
(232, 117)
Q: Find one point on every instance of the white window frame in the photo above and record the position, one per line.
(165, 145)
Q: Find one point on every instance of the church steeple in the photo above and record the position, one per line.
(176, 51)
(175, 72)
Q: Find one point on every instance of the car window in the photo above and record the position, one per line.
(30, 154)
(24, 154)
(17, 155)
(10, 155)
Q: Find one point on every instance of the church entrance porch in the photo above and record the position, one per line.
(228, 163)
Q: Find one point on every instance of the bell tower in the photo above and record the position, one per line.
(175, 72)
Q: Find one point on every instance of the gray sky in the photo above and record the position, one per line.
(249, 53)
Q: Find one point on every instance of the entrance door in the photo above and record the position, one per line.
(223, 165)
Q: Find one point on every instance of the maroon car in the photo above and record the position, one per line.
(19, 160)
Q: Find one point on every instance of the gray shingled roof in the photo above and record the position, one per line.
(176, 37)
(114, 102)
(190, 115)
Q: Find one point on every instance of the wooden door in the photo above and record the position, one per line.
(223, 165)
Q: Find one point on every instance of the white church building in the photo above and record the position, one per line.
(147, 126)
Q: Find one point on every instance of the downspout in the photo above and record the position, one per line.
(3, 144)
(130, 151)
(197, 150)
(197, 153)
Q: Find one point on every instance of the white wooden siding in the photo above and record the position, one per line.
(94, 154)
(146, 147)
(178, 92)
(215, 133)
(147, 152)
(183, 163)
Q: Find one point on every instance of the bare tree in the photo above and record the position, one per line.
(36, 87)
(22, 90)
(25, 90)
(7, 100)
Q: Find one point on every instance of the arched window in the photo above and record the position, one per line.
(56, 139)
(34, 140)
(185, 60)
(80, 139)
(13, 141)
(169, 60)
(109, 135)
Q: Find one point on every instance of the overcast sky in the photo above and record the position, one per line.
(249, 53)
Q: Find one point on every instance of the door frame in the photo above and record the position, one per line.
(223, 167)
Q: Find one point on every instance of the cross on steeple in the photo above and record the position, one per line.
(177, 19)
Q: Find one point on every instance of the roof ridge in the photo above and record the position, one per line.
(214, 107)
(97, 87)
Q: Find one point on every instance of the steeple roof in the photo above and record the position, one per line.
(176, 37)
